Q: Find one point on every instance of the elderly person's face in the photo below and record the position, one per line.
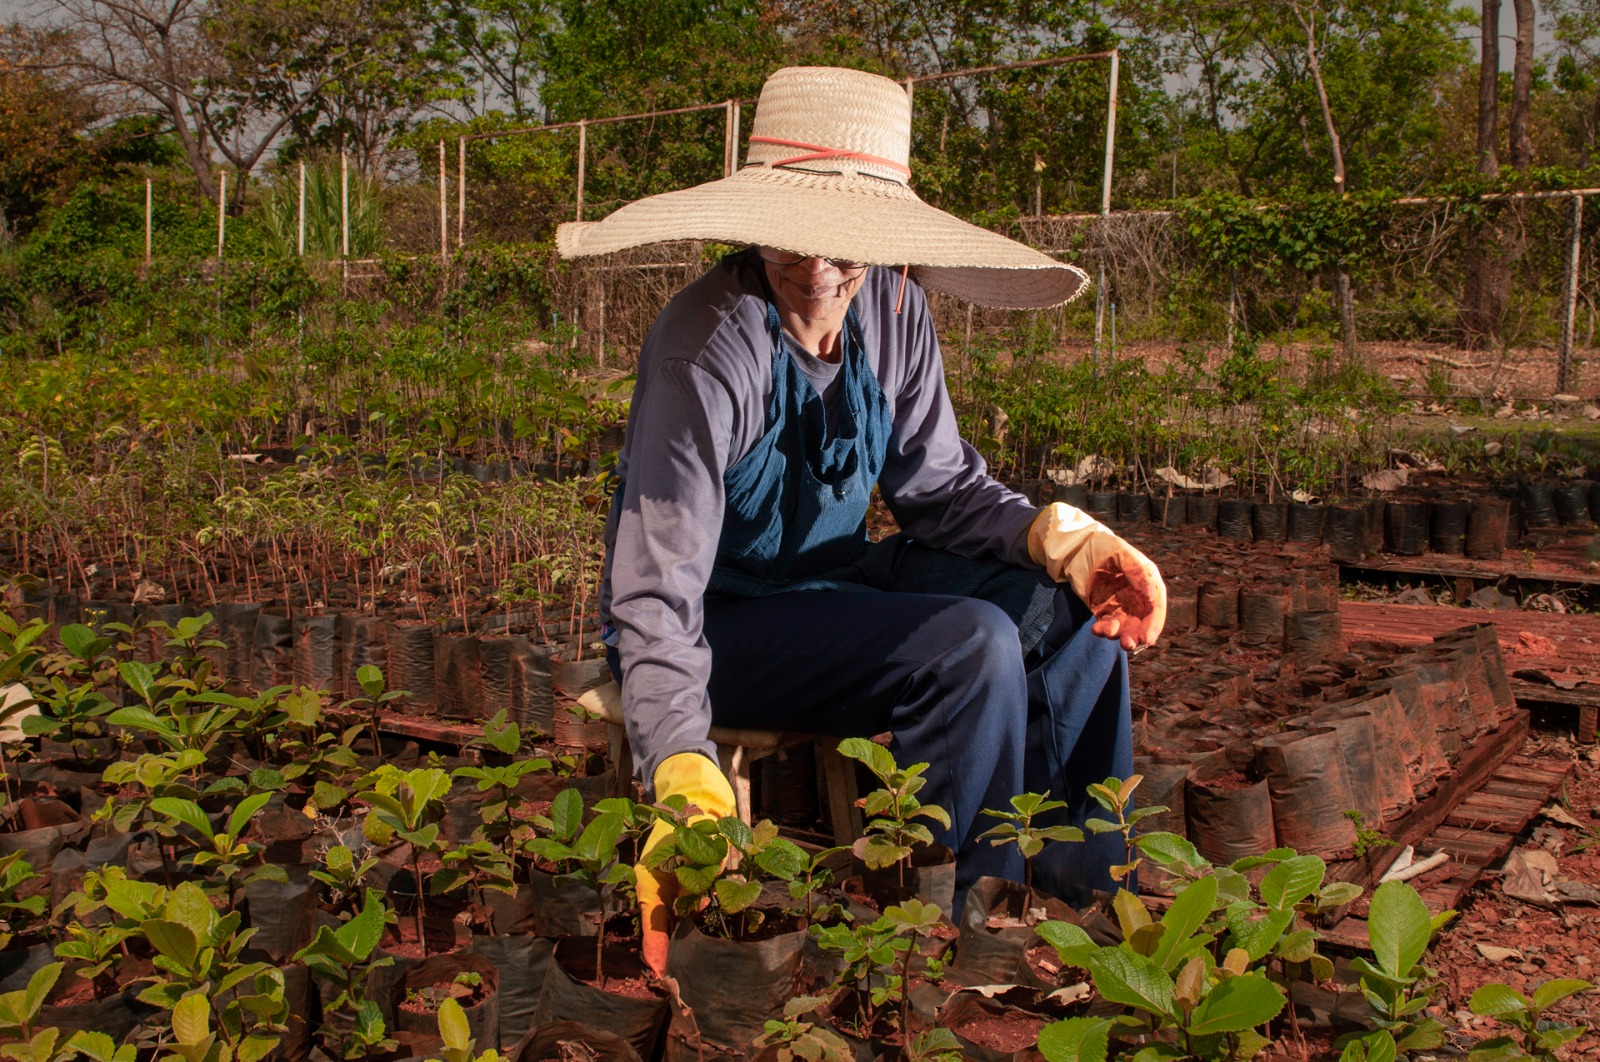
(812, 295)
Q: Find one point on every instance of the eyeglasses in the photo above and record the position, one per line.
(789, 258)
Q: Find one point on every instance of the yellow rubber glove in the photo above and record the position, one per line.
(701, 782)
(1120, 585)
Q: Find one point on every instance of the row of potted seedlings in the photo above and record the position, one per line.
(1479, 524)
(192, 873)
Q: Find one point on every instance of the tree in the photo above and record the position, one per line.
(611, 57)
(54, 136)
(1496, 245)
(1253, 104)
(41, 126)
(230, 76)
(1307, 14)
(502, 43)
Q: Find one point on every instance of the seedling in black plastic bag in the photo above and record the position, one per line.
(1116, 796)
(891, 833)
(1019, 829)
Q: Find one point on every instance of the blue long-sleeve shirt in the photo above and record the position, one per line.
(699, 405)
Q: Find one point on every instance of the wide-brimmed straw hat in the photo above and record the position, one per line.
(827, 173)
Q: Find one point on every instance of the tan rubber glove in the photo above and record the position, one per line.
(1120, 585)
(702, 783)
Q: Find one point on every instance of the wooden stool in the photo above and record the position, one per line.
(737, 749)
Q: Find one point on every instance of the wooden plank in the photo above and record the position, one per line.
(1559, 559)
(426, 729)
(1584, 696)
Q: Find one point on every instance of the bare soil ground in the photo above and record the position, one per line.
(1523, 375)
(1545, 943)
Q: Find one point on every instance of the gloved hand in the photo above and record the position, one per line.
(701, 782)
(1119, 584)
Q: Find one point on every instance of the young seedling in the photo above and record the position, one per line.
(376, 688)
(815, 876)
(795, 1039)
(1115, 795)
(345, 877)
(456, 1037)
(587, 852)
(1538, 1036)
(1397, 986)
(228, 856)
(877, 958)
(891, 832)
(499, 814)
(406, 804)
(1164, 972)
(344, 958)
(18, 913)
(1018, 829)
(197, 957)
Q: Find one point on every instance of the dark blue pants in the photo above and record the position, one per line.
(995, 681)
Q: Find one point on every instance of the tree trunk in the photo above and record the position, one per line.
(1522, 87)
(1347, 305)
(1487, 283)
(1489, 91)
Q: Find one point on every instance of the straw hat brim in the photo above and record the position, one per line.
(847, 216)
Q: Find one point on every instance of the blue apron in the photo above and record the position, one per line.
(796, 504)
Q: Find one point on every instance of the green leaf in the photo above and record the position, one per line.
(566, 815)
(1189, 911)
(877, 758)
(242, 814)
(1550, 993)
(1292, 881)
(1400, 928)
(191, 1019)
(1258, 930)
(735, 896)
(1495, 1000)
(39, 986)
(1132, 980)
(173, 940)
(140, 678)
(96, 1045)
(1236, 1004)
(1071, 941)
(186, 812)
(736, 831)
(1076, 1040)
(256, 1047)
(700, 848)
(1375, 1046)
(1498, 1049)
(80, 641)
(453, 1027)
(1170, 850)
(370, 676)
(362, 933)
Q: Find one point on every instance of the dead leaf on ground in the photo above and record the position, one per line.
(1557, 813)
(1494, 953)
(1527, 875)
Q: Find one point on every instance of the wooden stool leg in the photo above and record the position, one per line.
(841, 779)
(739, 775)
(621, 760)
